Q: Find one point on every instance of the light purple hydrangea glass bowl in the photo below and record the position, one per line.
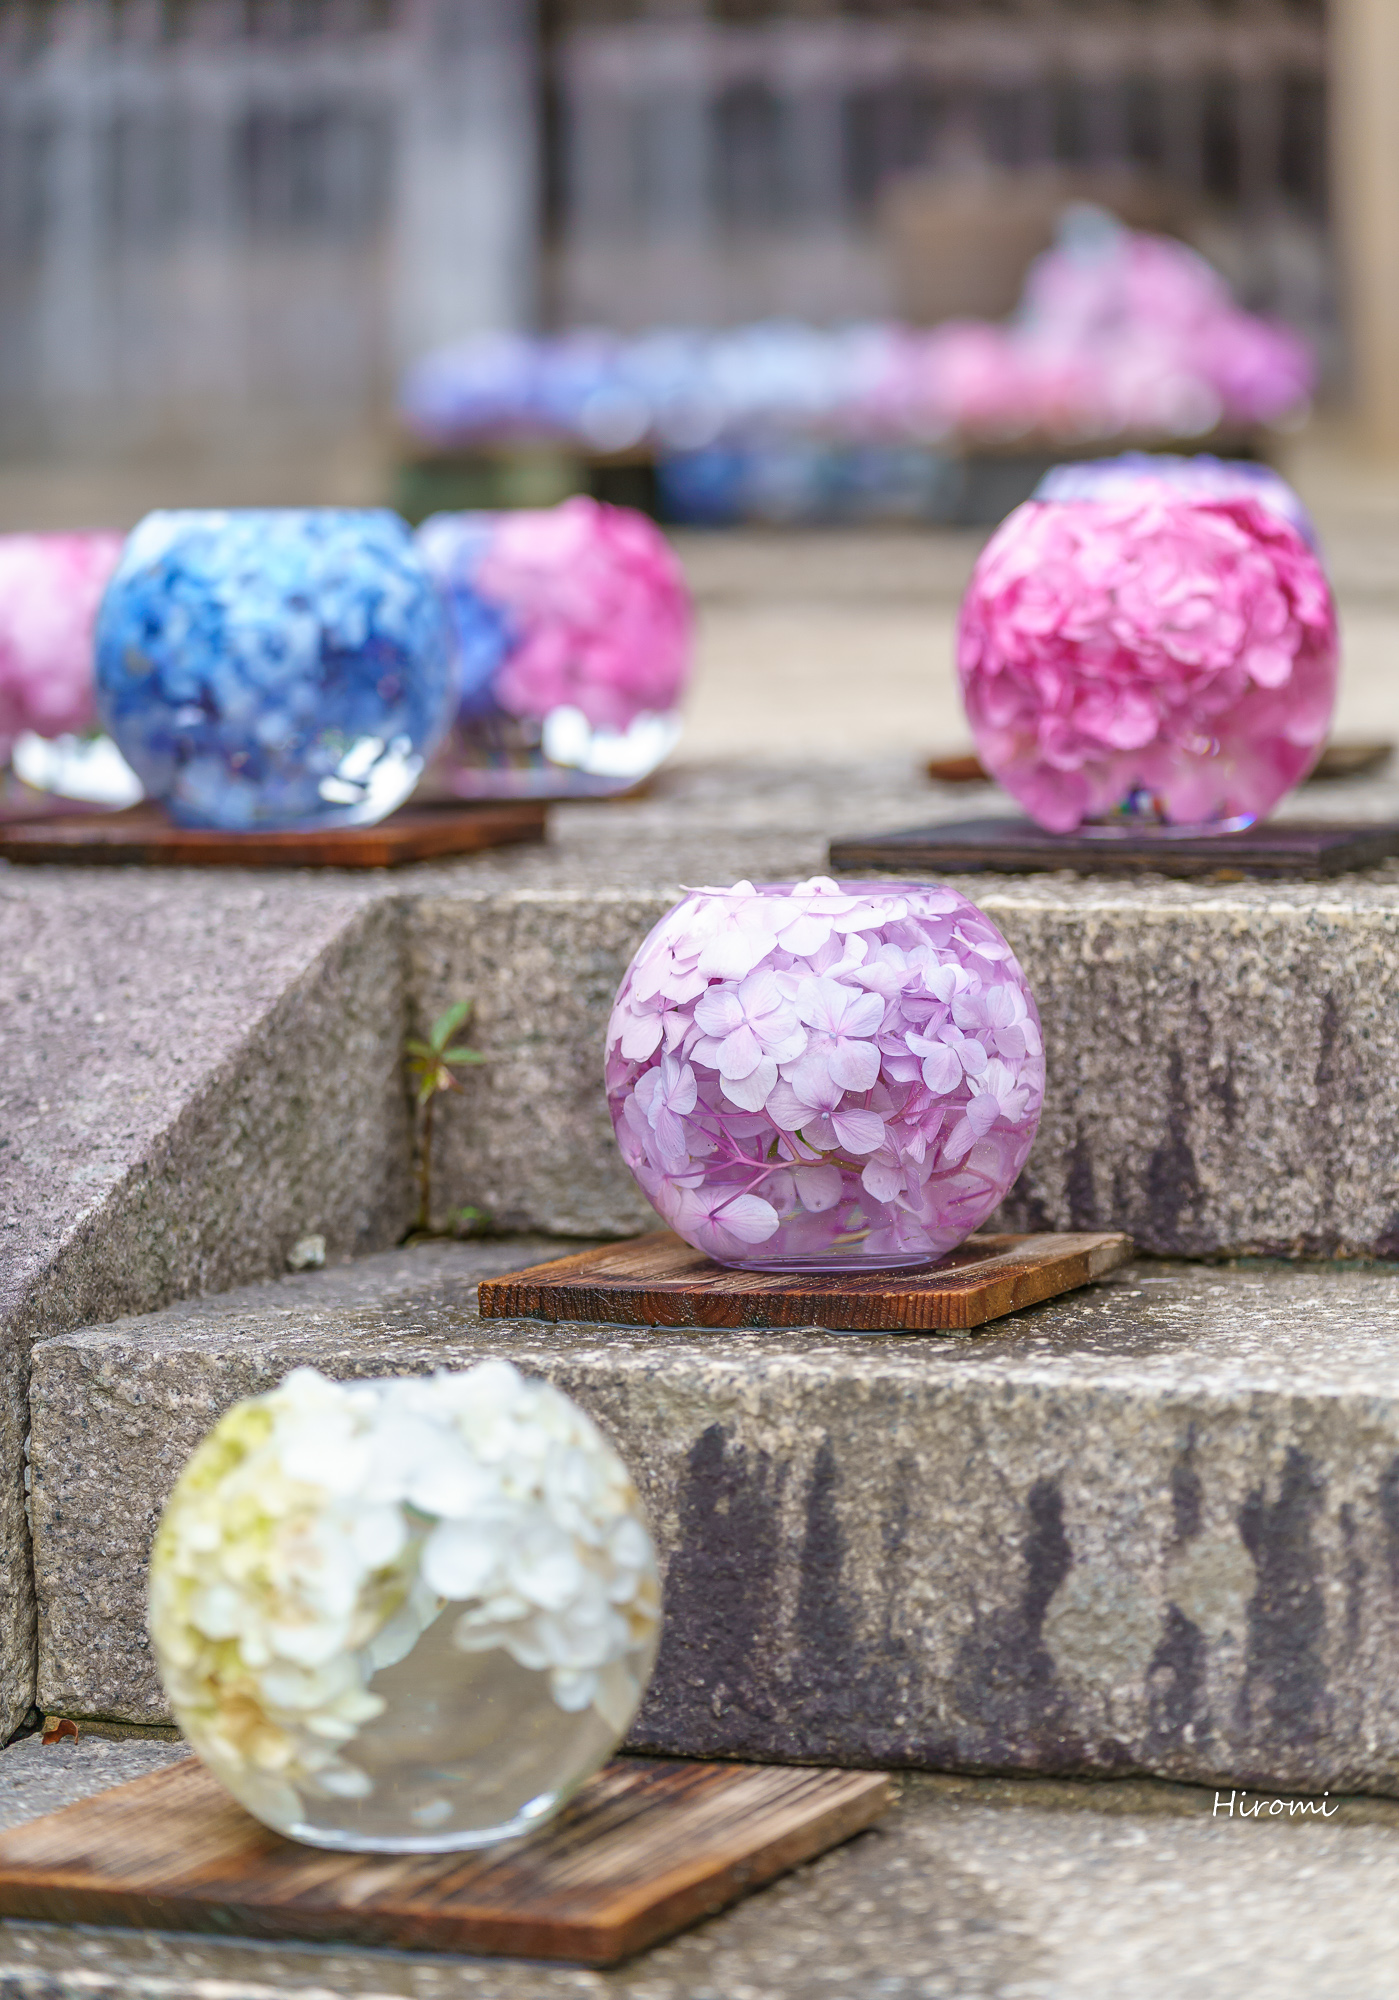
(825, 1076)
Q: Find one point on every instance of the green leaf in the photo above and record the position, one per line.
(446, 1025)
(462, 1056)
(419, 1049)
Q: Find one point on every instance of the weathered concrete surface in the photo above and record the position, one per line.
(970, 1890)
(194, 1077)
(1152, 1527)
(1223, 1068)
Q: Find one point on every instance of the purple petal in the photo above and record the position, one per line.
(786, 1110)
(882, 1179)
(858, 1130)
(863, 1015)
(941, 1070)
(741, 1053)
(982, 1113)
(818, 1188)
(751, 1092)
(854, 1065)
(748, 1217)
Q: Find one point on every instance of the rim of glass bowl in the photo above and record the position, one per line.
(864, 890)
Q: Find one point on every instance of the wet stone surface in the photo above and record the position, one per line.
(1149, 1527)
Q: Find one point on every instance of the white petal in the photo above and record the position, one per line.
(459, 1559)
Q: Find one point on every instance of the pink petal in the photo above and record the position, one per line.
(806, 935)
(732, 954)
(864, 1015)
(719, 1011)
(641, 1036)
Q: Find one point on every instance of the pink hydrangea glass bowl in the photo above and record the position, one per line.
(824, 1076)
(50, 588)
(1153, 658)
(573, 635)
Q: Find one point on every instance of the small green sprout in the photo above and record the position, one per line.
(431, 1066)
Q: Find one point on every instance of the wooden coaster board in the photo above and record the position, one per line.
(647, 1848)
(660, 1281)
(144, 835)
(1299, 850)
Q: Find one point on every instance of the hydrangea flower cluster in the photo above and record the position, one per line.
(1117, 332)
(321, 1529)
(1153, 656)
(267, 668)
(1201, 476)
(573, 629)
(824, 1076)
(50, 588)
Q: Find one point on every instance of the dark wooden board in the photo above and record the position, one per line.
(1337, 760)
(660, 1281)
(648, 1847)
(143, 834)
(1297, 849)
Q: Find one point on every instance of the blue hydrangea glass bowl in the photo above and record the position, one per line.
(275, 667)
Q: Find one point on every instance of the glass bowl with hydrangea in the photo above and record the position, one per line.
(404, 1616)
(1152, 658)
(825, 1076)
(50, 588)
(573, 630)
(1200, 474)
(274, 667)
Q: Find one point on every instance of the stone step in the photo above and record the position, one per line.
(205, 1071)
(972, 1889)
(1152, 1527)
(1223, 1061)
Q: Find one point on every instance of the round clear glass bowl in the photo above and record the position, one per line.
(274, 667)
(50, 588)
(572, 626)
(404, 1617)
(825, 1077)
(1151, 659)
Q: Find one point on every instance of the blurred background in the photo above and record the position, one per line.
(231, 229)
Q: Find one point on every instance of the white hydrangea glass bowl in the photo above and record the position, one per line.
(404, 1616)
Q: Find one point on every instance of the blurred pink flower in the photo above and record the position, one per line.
(598, 608)
(50, 588)
(1117, 331)
(1179, 649)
